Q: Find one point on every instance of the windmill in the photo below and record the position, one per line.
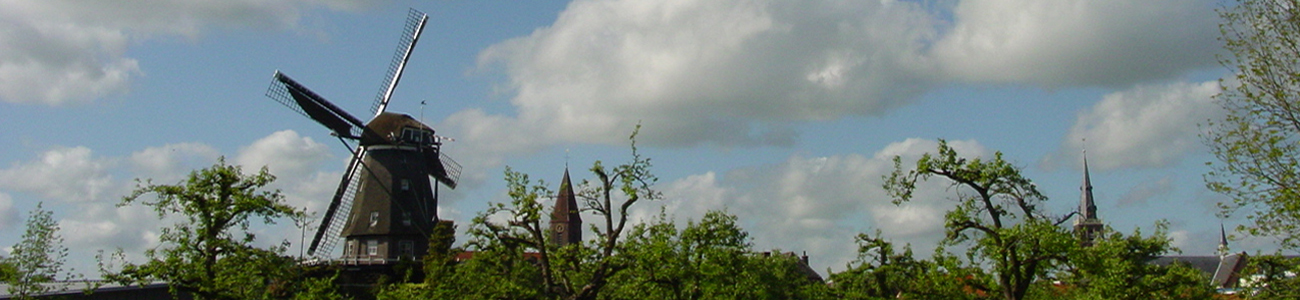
(385, 205)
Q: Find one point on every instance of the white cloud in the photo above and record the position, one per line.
(747, 72)
(1182, 238)
(727, 72)
(87, 194)
(62, 51)
(1077, 42)
(8, 215)
(1146, 190)
(1147, 126)
(285, 154)
(170, 162)
(103, 225)
(296, 161)
(818, 204)
(67, 174)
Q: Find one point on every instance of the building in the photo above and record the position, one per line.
(1087, 226)
(1224, 269)
(566, 224)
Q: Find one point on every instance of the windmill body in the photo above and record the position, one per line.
(395, 207)
(385, 206)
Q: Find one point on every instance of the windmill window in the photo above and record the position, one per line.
(372, 247)
(374, 218)
(406, 218)
(406, 184)
(406, 248)
(351, 248)
(411, 135)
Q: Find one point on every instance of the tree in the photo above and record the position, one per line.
(578, 271)
(1117, 266)
(997, 209)
(880, 271)
(630, 183)
(1257, 144)
(38, 259)
(1276, 277)
(210, 252)
(709, 259)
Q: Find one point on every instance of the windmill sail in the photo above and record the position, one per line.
(410, 35)
(442, 167)
(297, 97)
(328, 233)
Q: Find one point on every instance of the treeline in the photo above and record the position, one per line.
(1010, 248)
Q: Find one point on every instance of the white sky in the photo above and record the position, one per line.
(785, 113)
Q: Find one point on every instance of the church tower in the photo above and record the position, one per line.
(566, 224)
(1223, 241)
(1087, 226)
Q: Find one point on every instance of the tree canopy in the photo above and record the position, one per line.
(38, 258)
(1257, 144)
(210, 253)
(998, 210)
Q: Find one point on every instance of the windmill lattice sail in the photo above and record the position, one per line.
(415, 21)
(327, 235)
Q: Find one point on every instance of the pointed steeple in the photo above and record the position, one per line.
(1087, 208)
(1223, 240)
(1087, 225)
(566, 224)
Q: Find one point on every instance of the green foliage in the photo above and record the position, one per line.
(880, 271)
(711, 259)
(1276, 277)
(209, 253)
(574, 271)
(1014, 250)
(1117, 267)
(1257, 144)
(997, 210)
(38, 259)
(513, 259)
(442, 256)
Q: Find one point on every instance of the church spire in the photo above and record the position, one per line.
(566, 224)
(1087, 225)
(1087, 208)
(1223, 240)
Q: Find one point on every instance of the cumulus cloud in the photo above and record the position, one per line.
(61, 51)
(8, 216)
(1146, 190)
(819, 203)
(67, 174)
(82, 186)
(747, 72)
(1077, 42)
(296, 161)
(285, 154)
(168, 163)
(727, 72)
(1146, 126)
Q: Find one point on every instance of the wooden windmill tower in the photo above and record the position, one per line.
(385, 205)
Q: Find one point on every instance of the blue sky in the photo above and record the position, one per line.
(783, 113)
